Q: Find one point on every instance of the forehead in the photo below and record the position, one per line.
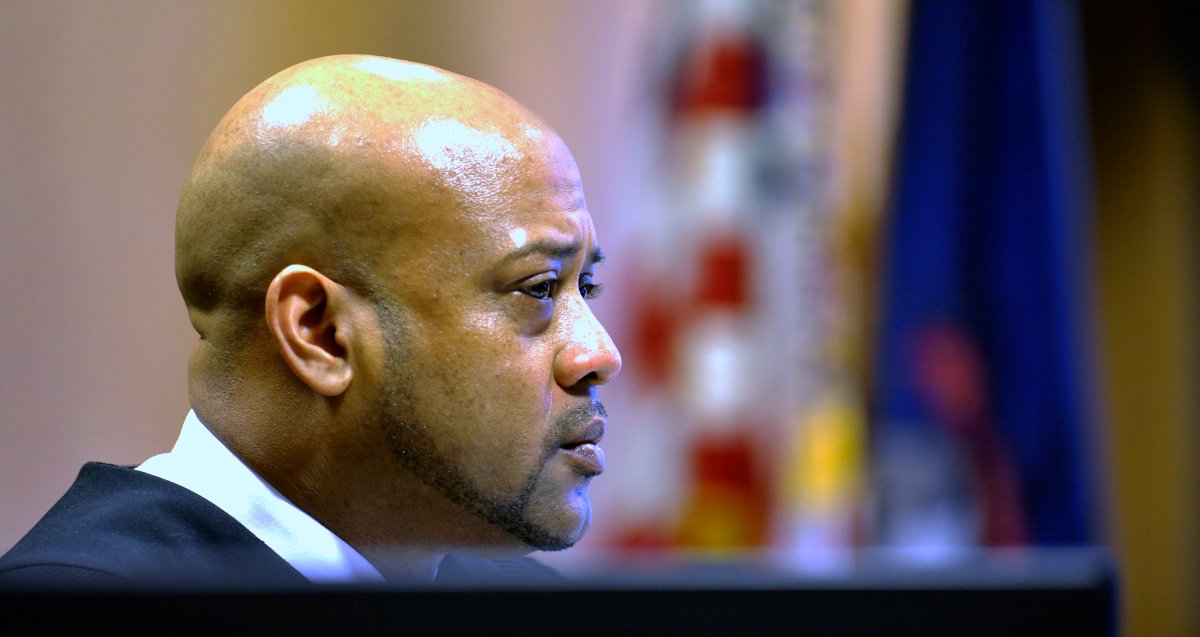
(498, 190)
(482, 160)
(521, 177)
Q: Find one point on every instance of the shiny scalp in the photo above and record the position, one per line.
(327, 164)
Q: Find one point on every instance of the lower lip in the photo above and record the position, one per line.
(588, 457)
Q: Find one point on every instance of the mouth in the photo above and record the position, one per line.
(584, 449)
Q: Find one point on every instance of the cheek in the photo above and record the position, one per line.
(520, 400)
(513, 368)
(491, 393)
(506, 442)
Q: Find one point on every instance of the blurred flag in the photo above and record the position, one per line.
(981, 407)
(735, 293)
(715, 107)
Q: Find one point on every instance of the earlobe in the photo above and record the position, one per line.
(308, 317)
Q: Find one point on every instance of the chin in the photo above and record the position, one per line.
(560, 528)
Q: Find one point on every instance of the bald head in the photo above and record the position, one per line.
(389, 267)
(326, 164)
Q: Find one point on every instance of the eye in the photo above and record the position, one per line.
(541, 290)
(588, 288)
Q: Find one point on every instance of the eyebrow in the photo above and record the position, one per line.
(556, 250)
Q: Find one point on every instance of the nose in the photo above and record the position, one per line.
(588, 356)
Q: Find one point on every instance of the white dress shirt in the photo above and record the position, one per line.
(200, 463)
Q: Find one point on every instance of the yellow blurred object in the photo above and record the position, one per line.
(826, 476)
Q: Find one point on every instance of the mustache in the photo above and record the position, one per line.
(577, 417)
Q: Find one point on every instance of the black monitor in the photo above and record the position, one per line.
(1017, 593)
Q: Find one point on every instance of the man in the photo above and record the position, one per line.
(388, 266)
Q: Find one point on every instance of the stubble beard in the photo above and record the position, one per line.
(416, 449)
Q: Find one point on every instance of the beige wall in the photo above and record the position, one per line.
(104, 106)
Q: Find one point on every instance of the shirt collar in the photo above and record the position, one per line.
(200, 463)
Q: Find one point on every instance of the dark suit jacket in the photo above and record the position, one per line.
(120, 527)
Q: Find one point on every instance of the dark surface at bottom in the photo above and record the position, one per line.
(926, 611)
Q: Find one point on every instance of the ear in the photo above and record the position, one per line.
(310, 318)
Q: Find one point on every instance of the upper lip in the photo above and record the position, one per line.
(588, 435)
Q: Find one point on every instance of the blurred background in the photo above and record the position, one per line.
(915, 279)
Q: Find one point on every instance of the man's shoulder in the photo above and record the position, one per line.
(119, 525)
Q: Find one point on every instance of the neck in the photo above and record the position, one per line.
(404, 564)
(403, 527)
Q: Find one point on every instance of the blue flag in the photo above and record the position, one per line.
(982, 404)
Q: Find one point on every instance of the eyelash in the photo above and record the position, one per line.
(545, 289)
